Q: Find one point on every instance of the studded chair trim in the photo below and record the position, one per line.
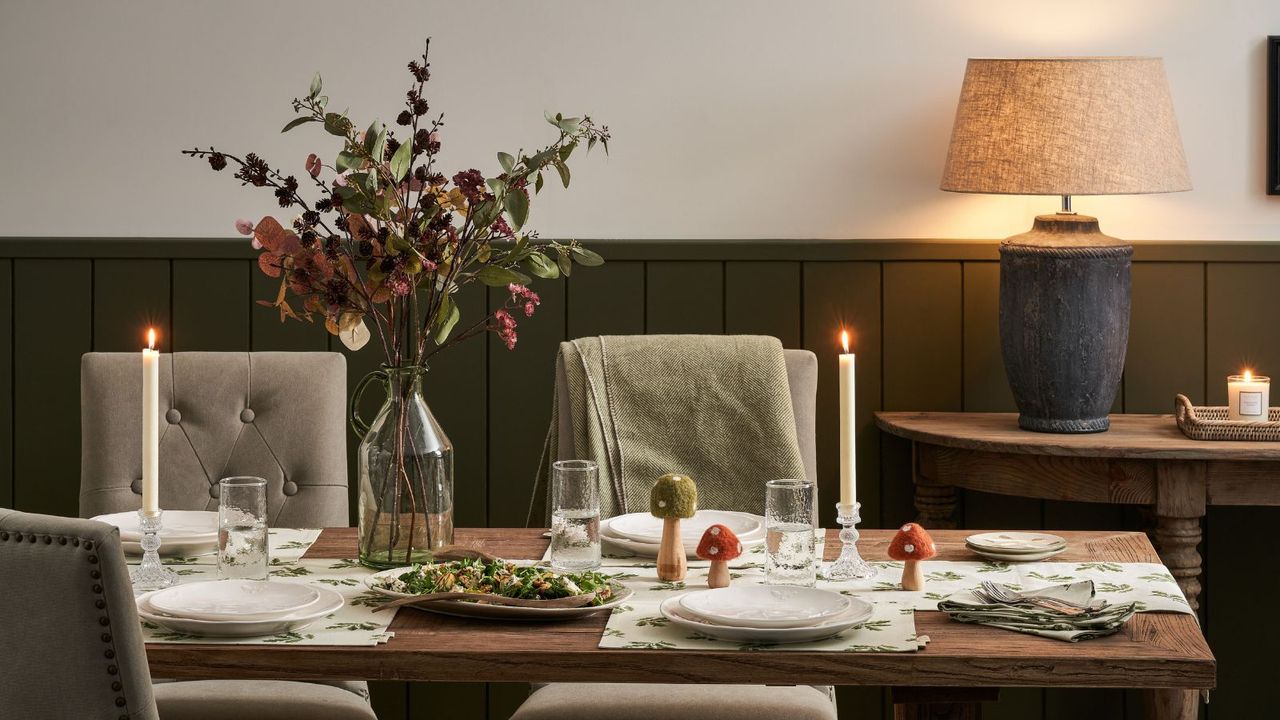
(276, 415)
(74, 646)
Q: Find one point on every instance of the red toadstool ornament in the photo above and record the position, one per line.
(719, 545)
(911, 545)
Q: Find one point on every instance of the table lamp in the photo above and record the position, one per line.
(1065, 126)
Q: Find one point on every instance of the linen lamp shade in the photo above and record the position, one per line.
(1065, 126)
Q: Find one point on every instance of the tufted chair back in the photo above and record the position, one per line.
(73, 646)
(276, 415)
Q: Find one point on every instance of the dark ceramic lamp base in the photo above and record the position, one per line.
(1064, 322)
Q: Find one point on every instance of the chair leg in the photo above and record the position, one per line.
(941, 703)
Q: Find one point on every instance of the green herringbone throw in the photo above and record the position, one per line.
(715, 407)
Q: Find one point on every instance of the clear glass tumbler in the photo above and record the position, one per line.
(790, 550)
(575, 516)
(242, 528)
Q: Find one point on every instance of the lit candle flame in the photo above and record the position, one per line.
(151, 338)
(1248, 375)
(844, 340)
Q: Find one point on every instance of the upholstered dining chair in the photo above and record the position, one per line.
(651, 701)
(276, 415)
(75, 645)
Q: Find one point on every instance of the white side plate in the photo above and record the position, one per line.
(643, 527)
(1016, 542)
(176, 524)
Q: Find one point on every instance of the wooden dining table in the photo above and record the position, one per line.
(1164, 654)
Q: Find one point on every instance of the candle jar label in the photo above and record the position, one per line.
(1251, 403)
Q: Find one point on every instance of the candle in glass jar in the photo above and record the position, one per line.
(1248, 397)
(151, 425)
(848, 425)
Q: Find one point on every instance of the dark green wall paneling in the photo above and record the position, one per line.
(684, 297)
(606, 300)
(129, 296)
(211, 305)
(763, 298)
(52, 328)
(521, 384)
(6, 383)
(924, 319)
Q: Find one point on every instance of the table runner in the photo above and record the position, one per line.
(639, 625)
(353, 624)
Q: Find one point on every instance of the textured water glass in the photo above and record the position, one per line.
(575, 516)
(242, 528)
(790, 551)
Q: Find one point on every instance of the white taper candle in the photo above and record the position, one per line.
(848, 426)
(151, 426)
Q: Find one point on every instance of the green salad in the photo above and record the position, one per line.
(498, 577)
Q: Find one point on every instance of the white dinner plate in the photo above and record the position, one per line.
(233, 599)
(175, 525)
(1010, 543)
(1015, 557)
(765, 606)
(175, 548)
(465, 608)
(327, 602)
(650, 550)
(644, 527)
(859, 612)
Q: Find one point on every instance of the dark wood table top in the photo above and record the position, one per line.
(1152, 437)
(1153, 650)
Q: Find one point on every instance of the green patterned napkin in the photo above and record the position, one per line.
(1099, 620)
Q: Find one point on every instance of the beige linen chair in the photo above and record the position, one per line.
(276, 415)
(75, 645)
(640, 701)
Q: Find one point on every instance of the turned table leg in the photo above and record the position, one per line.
(1170, 704)
(935, 504)
(1180, 503)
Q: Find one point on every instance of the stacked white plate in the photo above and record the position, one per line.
(641, 533)
(766, 613)
(182, 532)
(238, 608)
(1016, 546)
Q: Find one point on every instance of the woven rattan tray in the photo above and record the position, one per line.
(1211, 423)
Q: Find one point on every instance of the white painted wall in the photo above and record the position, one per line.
(731, 118)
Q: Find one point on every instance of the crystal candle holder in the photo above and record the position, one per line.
(850, 565)
(151, 574)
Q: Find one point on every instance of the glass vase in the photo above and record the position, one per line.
(405, 463)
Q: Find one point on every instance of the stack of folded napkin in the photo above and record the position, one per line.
(1062, 612)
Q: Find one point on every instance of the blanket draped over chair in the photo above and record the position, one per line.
(714, 407)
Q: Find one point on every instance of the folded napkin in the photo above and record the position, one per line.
(1025, 616)
(716, 407)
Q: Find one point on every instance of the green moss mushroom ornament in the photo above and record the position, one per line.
(673, 498)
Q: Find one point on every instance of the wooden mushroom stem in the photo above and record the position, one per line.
(718, 575)
(671, 561)
(912, 575)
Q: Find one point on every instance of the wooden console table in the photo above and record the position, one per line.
(1141, 460)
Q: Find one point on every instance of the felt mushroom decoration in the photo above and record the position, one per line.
(673, 497)
(719, 545)
(911, 545)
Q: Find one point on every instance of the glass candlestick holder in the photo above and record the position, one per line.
(850, 565)
(151, 574)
